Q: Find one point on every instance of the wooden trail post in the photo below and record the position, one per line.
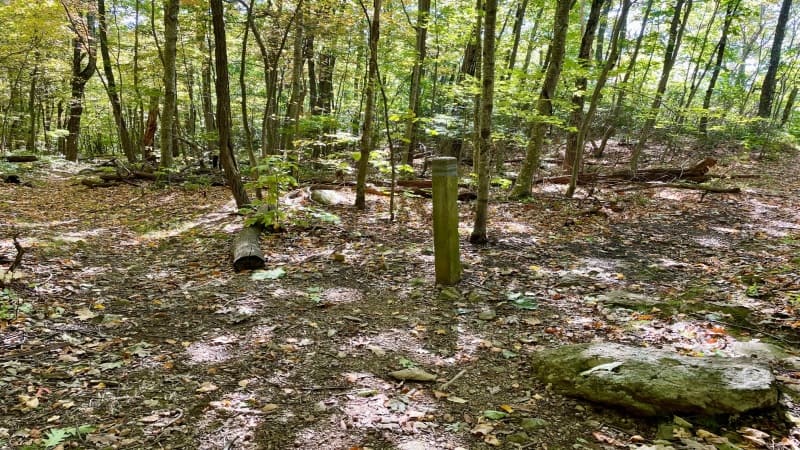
(445, 220)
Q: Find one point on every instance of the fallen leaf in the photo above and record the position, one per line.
(454, 399)
(413, 374)
(482, 429)
(85, 314)
(207, 387)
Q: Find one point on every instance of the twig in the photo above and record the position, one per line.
(18, 259)
(458, 375)
(745, 327)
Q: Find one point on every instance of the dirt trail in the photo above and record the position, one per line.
(130, 319)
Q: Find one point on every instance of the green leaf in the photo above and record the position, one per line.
(272, 274)
(522, 301)
(494, 415)
(56, 436)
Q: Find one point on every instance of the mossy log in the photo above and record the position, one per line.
(697, 173)
(21, 158)
(247, 253)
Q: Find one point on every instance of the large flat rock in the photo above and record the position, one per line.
(657, 382)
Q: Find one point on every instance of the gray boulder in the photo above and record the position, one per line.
(328, 197)
(657, 382)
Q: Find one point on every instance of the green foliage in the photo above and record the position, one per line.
(274, 177)
(57, 436)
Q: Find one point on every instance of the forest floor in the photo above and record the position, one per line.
(127, 327)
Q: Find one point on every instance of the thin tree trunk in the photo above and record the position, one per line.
(768, 85)
(483, 162)
(571, 157)
(613, 53)
(30, 143)
(673, 45)
(531, 39)
(787, 110)
(369, 93)
(601, 32)
(294, 108)
(544, 106)
(226, 154)
(415, 91)
(618, 102)
(308, 55)
(248, 133)
(78, 83)
(730, 13)
(111, 87)
(171, 8)
(519, 18)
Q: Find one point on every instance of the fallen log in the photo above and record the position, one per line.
(21, 158)
(247, 253)
(695, 187)
(697, 173)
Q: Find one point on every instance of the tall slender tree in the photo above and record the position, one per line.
(111, 87)
(367, 143)
(226, 154)
(544, 105)
(676, 28)
(415, 90)
(483, 161)
(83, 47)
(768, 85)
(171, 8)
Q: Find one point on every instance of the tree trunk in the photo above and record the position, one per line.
(601, 32)
(519, 18)
(573, 152)
(412, 125)
(308, 55)
(149, 133)
(78, 83)
(544, 105)
(369, 107)
(206, 99)
(730, 13)
(111, 88)
(294, 108)
(787, 110)
(30, 143)
(620, 98)
(226, 155)
(673, 45)
(768, 85)
(171, 8)
(327, 60)
(617, 33)
(248, 132)
(483, 162)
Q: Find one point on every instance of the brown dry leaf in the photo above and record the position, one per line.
(207, 386)
(482, 429)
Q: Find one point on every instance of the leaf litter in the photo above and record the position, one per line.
(138, 334)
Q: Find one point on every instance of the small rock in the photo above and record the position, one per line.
(533, 423)
(518, 438)
(487, 314)
(328, 197)
(666, 432)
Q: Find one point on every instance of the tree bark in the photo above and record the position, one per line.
(171, 8)
(82, 47)
(544, 105)
(111, 88)
(768, 85)
(366, 130)
(730, 13)
(787, 110)
(483, 162)
(415, 91)
(677, 26)
(616, 34)
(519, 18)
(294, 108)
(574, 152)
(226, 154)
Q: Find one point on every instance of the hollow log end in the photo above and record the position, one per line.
(250, 262)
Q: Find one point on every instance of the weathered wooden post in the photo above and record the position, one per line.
(445, 220)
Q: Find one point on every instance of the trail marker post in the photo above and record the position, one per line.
(445, 220)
